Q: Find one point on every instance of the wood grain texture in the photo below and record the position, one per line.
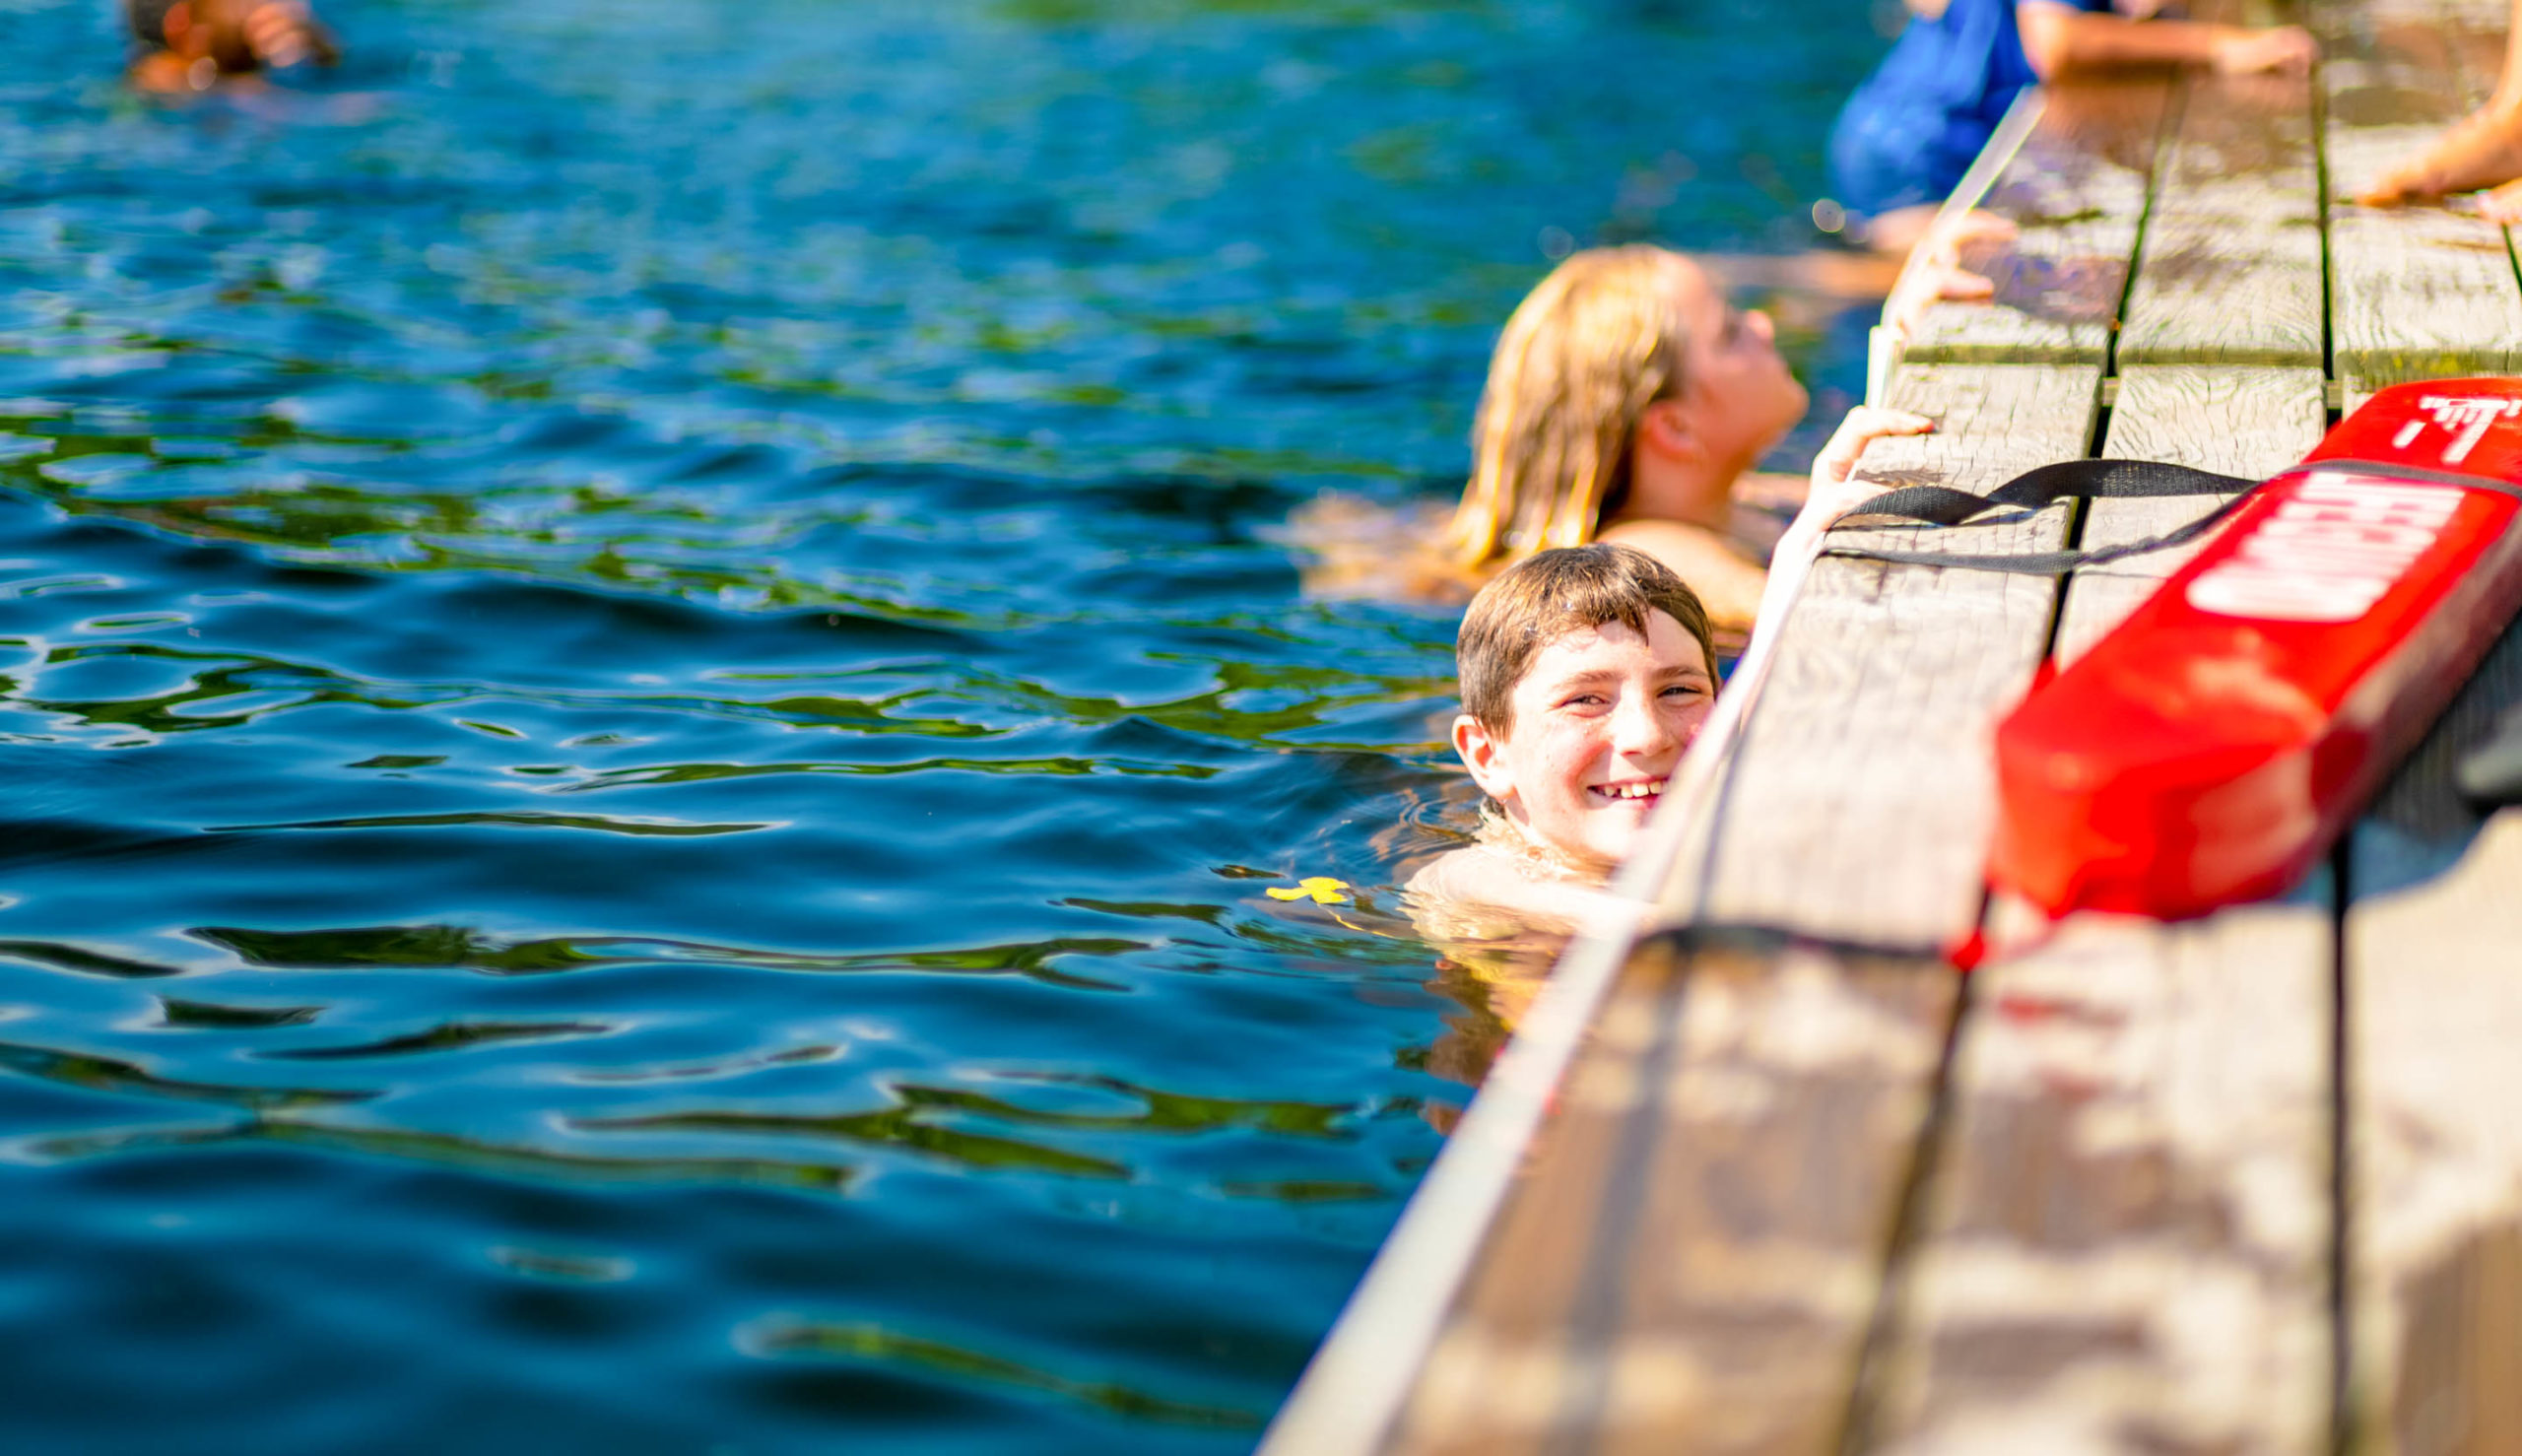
(1692, 1261)
(2248, 421)
(2076, 192)
(1860, 798)
(2231, 267)
(2484, 16)
(2415, 292)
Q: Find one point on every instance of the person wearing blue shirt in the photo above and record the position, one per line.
(1911, 129)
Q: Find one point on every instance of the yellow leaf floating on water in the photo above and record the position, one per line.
(1321, 888)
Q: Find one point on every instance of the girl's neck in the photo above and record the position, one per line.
(1663, 488)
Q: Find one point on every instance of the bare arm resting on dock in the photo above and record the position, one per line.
(2060, 41)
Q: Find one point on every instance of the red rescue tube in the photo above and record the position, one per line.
(2211, 747)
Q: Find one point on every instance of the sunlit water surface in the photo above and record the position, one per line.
(650, 699)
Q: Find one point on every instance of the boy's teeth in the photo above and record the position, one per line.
(1633, 790)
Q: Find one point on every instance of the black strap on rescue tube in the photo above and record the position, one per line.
(2090, 479)
(2040, 487)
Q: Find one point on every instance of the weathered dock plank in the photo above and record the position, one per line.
(2477, 28)
(2433, 1015)
(1692, 1261)
(1860, 799)
(2075, 193)
(2434, 998)
(2415, 292)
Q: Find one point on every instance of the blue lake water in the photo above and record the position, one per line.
(647, 695)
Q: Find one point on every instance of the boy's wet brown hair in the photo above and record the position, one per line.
(1548, 595)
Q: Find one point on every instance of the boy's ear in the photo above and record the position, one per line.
(1665, 430)
(1480, 750)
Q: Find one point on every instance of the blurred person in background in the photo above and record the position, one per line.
(1913, 128)
(191, 45)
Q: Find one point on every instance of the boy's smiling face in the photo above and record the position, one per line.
(1601, 719)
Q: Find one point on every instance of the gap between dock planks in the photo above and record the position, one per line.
(2230, 268)
(1858, 805)
(2124, 1241)
(2076, 192)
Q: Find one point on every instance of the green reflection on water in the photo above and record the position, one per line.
(114, 1075)
(454, 947)
(1164, 1111)
(84, 961)
(923, 1121)
(788, 1337)
(454, 1036)
(899, 1127)
(1062, 768)
(211, 1015)
(472, 1154)
(599, 822)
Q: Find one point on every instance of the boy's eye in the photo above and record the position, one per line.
(1583, 699)
(1685, 689)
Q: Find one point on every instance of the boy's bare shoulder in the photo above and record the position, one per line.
(1484, 892)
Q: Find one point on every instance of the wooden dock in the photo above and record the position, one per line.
(2246, 1184)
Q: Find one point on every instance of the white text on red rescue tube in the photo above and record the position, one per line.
(2329, 553)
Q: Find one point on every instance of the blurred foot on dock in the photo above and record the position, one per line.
(2482, 150)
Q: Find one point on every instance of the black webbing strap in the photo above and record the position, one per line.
(2093, 479)
(2036, 488)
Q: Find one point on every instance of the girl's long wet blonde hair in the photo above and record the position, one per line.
(1587, 350)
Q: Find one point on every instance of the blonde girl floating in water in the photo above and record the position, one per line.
(1627, 402)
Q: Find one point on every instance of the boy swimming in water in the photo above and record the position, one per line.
(1587, 671)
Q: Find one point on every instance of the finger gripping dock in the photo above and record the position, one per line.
(1774, 1176)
